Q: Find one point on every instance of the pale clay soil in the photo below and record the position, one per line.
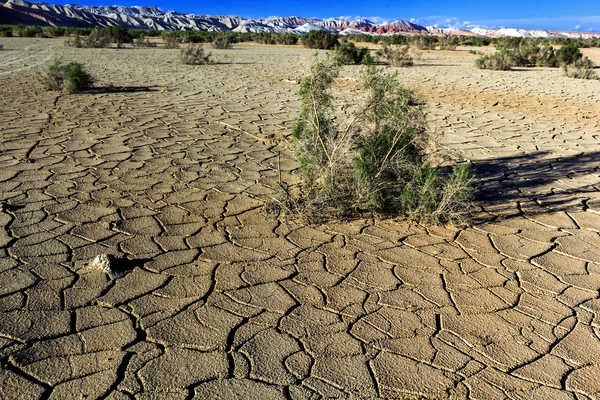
(168, 170)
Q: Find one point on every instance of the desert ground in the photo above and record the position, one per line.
(167, 167)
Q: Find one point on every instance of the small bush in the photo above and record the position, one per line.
(98, 38)
(286, 39)
(375, 164)
(349, 54)
(194, 55)
(421, 42)
(70, 78)
(397, 56)
(171, 39)
(222, 42)
(142, 41)
(448, 43)
(568, 54)
(320, 40)
(581, 69)
(499, 61)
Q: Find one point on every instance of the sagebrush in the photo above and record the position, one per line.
(397, 56)
(580, 69)
(70, 78)
(194, 55)
(349, 54)
(376, 162)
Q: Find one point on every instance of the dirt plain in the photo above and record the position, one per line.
(167, 168)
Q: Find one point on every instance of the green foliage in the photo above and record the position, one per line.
(397, 56)
(375, 163)
(222, 42)
(286, 39)
(580, 69)
(421, 42)
(349, 54)
(172, 39)
(142, 41)
(448, 42)
(194, 55)
(498, 61)
(70, 78)
(320, 40)
(568, 54)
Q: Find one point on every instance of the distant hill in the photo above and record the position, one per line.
(28, 13)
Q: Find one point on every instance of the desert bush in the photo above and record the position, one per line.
(118, 35)
(27, 31)
(421, 42)
(222, 42)
(194, 55)
(375, 164)
(97, 38)
(171, 39)
(70, 78)
(142, 41)
(286, 39)
(568, 54)
(498, 61)
(349, 54)
(580, 69)
(448, 43)
(320, 40)
(397, 56)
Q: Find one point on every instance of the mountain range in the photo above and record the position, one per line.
(29, 13)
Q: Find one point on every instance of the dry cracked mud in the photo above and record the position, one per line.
(168, 169)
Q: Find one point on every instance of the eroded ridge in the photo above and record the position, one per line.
(209, 297)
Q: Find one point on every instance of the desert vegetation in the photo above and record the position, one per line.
(69, 78)
(222, 42)
(171, 39)
(582, 68)
(194, 55)
(349, 54)
(397, 56)
(377, 162)
(320, 40)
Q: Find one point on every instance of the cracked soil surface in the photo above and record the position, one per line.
(168, 171)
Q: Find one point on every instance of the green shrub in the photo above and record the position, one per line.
(374, 164)
(171, 39)
(286, 39)
(498, 61)
(142, 41)
(222, 42)
(320, 40)
(194, 55)
(421, 42)
(397, 56)
(70, 78)
(568, 54)
(349, 54)
(98, 38)
(580, 69)
(448, 43)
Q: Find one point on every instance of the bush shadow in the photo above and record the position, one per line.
(555, 183)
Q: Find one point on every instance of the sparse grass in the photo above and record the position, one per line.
(581, 69)
(194, 55)
(349, 54)
(222, 42)
(375, 163)
(397, 56)
(70, 78)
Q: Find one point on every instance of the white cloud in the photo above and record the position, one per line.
(577, 27)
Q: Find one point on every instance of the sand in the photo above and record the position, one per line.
(166, 167)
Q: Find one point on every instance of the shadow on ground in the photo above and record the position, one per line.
(555, 183)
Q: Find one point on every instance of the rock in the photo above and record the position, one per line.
(101, 263)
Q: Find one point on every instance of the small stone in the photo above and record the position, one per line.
(101, 263)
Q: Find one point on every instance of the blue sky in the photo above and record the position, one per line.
(582, 15)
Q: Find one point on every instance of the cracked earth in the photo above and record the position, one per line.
(168, 171)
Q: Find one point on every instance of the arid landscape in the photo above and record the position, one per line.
(167, 168)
